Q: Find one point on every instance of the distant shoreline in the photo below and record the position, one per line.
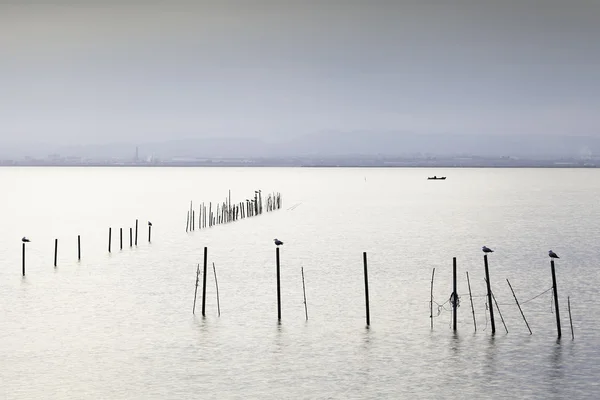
(283, 165)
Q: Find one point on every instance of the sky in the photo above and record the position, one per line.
(99, 72)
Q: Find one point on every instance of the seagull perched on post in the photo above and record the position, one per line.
(277, 242)
(25, 240)
(149, 223)
(552, 254)
(487, 249)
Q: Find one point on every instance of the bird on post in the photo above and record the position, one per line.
(552, 254)
(277, 242)
(25, 240)
(487, 249)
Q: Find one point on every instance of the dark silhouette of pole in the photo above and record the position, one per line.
(431, 299)
(278, 284)
(454, 294)
(366, 289)
(518, 305)
(120, 238)
(471, 298)
(109, 238)
(78, 247)
(23, 258)
(55, 251)
(136, 231)
(204, 282)
(489, 294)
(130, 237)
(149, 232)
(555, 290)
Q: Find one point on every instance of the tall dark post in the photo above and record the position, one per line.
(489, 294)
(555, 290)
(204, 282)
(78, 247)
(454, 294)
(23, 258)
(121, 238)
(55, 251)
(130, 237)
(109, 238)
(278, 284)
(366, 288)
(149, 232)
(136, 231)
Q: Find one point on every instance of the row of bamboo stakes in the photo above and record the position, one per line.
(454, 298)
(227, 212)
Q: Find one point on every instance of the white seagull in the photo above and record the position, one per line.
(487, 249)
(25, 240)
(552, 254)
(277, 242)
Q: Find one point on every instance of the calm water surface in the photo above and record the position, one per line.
(120, 325)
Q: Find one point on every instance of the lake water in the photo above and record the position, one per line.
(120, 325)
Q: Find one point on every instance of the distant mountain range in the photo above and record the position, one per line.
(326, 144)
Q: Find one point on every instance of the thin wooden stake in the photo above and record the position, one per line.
(454, 294)
(136, 231)
(278, 284)
(196, 290)
(304, 291)
(204, 282)
(431, 300)
(217, 286)
(471, 298)
(55, 251)
(109, 238)
(78, 247)
(518, 305)
(366, 289)
(23, 258)
(570, 319)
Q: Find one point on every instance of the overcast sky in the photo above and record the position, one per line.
(91, 73)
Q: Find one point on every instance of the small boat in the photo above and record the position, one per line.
(436, 178)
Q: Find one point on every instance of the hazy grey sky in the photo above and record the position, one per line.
(90, 73)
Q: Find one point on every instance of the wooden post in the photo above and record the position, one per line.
(570, 319)
(78, 247)
(431, 299)
(278, 284)
(196, 290)
(120, 238)
(149, 232)
(471, 298)
(304, 291)
(23, 258)
(454, 294)
(204, 282)
(193, 220)
(55, 251)
(366, 288)
(136, 231)
(187, 222)
(489, 294)
(109, 238)
(130, 237)
(217, 286)
(555, 289)
(518, 305)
